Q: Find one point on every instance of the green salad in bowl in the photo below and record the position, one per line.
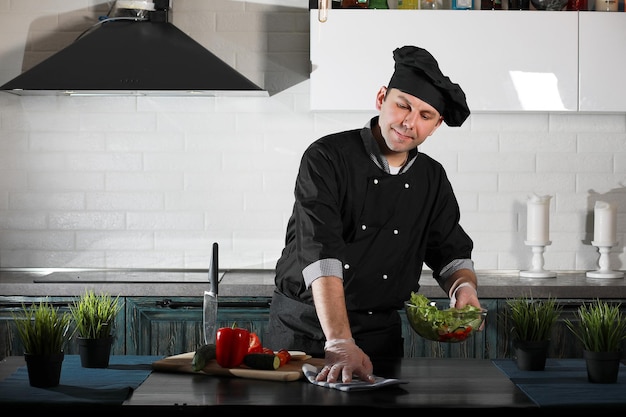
(440, 322)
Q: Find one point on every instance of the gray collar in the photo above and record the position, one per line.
(373, 150)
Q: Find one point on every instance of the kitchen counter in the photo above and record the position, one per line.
(443, 384)
(431, 383)
(248, 282)
(436, 383)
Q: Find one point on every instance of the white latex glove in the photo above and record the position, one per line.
(470, 296)
(453, 295)
(344, 359)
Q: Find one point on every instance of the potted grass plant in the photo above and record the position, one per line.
(532, 321)
(93, 317)
(601, 328)
(44, 332)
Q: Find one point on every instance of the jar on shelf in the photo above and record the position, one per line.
(355, 4)
(577, 5)
(408, 4)
(431, 4)
(606, 5)
(378, 4)
(524, 4)
(491, 5)
(462, 4)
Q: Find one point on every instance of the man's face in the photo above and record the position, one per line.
(405, 121)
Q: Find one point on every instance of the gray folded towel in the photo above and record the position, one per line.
(310, 372)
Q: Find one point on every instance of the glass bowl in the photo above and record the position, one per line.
(439, 322)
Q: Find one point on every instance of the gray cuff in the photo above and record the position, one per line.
(454, 266)
(322, 268)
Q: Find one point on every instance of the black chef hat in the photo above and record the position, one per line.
(417, 73)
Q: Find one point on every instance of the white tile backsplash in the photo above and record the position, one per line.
(151, 182)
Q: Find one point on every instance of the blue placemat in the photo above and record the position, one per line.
(112, 385)
(564, 382)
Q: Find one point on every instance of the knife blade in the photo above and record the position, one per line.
(209, 308)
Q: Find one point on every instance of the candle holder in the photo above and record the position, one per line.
(537, 270)
(603, 262)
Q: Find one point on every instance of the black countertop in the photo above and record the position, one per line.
(431, 383)
(260, 283)
(440, 384)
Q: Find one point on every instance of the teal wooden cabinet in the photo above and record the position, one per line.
(164, 326)
(481, 345)
(169, 326)
(10, 344)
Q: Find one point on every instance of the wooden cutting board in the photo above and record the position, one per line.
(291, 371)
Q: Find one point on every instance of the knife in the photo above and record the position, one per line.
(209, 308)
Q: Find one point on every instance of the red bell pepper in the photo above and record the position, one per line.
(255, 345)
(231, 345)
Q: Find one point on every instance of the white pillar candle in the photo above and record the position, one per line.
(538, 221)
(604, 223)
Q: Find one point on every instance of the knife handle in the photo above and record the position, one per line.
(214, 269)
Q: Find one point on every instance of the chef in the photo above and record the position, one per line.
(369, 211)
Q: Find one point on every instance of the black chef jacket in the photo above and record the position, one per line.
(381, 227)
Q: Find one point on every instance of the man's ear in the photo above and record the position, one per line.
(380, 97)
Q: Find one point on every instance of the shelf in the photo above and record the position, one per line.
(504, 61)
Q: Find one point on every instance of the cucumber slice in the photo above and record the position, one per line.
(262, 361)
(203, 355)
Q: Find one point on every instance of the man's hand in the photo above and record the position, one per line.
(344, 359)
(465, 294)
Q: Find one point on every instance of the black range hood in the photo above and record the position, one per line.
(134, 57)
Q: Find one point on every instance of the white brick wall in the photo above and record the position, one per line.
(152, 182)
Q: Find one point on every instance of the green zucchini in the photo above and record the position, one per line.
(262, 361)
(203, 355)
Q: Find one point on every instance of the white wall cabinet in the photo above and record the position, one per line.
(503, 60)
(602, 61)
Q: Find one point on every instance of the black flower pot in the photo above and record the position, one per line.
(602, 367)
(44, 371)
(94, 353)
(531, 356)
